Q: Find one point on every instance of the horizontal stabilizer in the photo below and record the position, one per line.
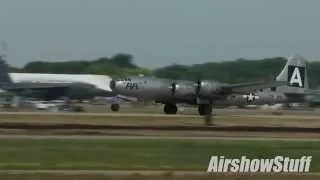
(312, 92)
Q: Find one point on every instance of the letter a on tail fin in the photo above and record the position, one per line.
(295, 74)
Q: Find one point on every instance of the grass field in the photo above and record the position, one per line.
(164, 177)
(113, 154)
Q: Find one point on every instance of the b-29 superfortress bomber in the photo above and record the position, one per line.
(171, 92)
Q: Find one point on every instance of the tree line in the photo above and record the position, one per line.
(120, 65)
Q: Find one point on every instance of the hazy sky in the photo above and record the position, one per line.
(159, 32)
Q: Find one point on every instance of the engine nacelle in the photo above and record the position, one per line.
(208, 88)
(182, 88)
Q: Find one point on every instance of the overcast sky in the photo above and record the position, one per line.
(159, 32)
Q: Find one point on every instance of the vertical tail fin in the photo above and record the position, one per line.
(4, 71)
(295, 74)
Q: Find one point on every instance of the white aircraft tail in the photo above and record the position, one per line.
(4, 71)
(295, 74)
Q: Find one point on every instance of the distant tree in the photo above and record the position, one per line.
(119, 65)
(123, 60)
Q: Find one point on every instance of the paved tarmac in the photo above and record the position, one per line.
(239, 113)
(95, 114)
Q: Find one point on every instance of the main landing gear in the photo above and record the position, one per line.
(115, 107)
(170, 109)
(206, 111)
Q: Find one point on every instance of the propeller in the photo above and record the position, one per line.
(197, 85)
(173, 88)
(112, 84)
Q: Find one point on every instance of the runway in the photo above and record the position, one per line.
(161, 122)
(250, 113)
(68, 126)
(188, 113)
(95, 114)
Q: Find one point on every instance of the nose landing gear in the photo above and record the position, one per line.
(115, 107)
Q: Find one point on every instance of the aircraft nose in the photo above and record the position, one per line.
(116, 85)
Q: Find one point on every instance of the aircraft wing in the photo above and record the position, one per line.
(126, 98)
(18, 86)
(253, 86)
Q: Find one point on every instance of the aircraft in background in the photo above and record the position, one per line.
(99, 81)
(50, 90)
(170, 92)
(295, 91)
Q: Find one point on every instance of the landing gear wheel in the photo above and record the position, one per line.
(115, 107)
(170, 109)
(205, 109)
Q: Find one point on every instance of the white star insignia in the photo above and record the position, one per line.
(251, 97)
